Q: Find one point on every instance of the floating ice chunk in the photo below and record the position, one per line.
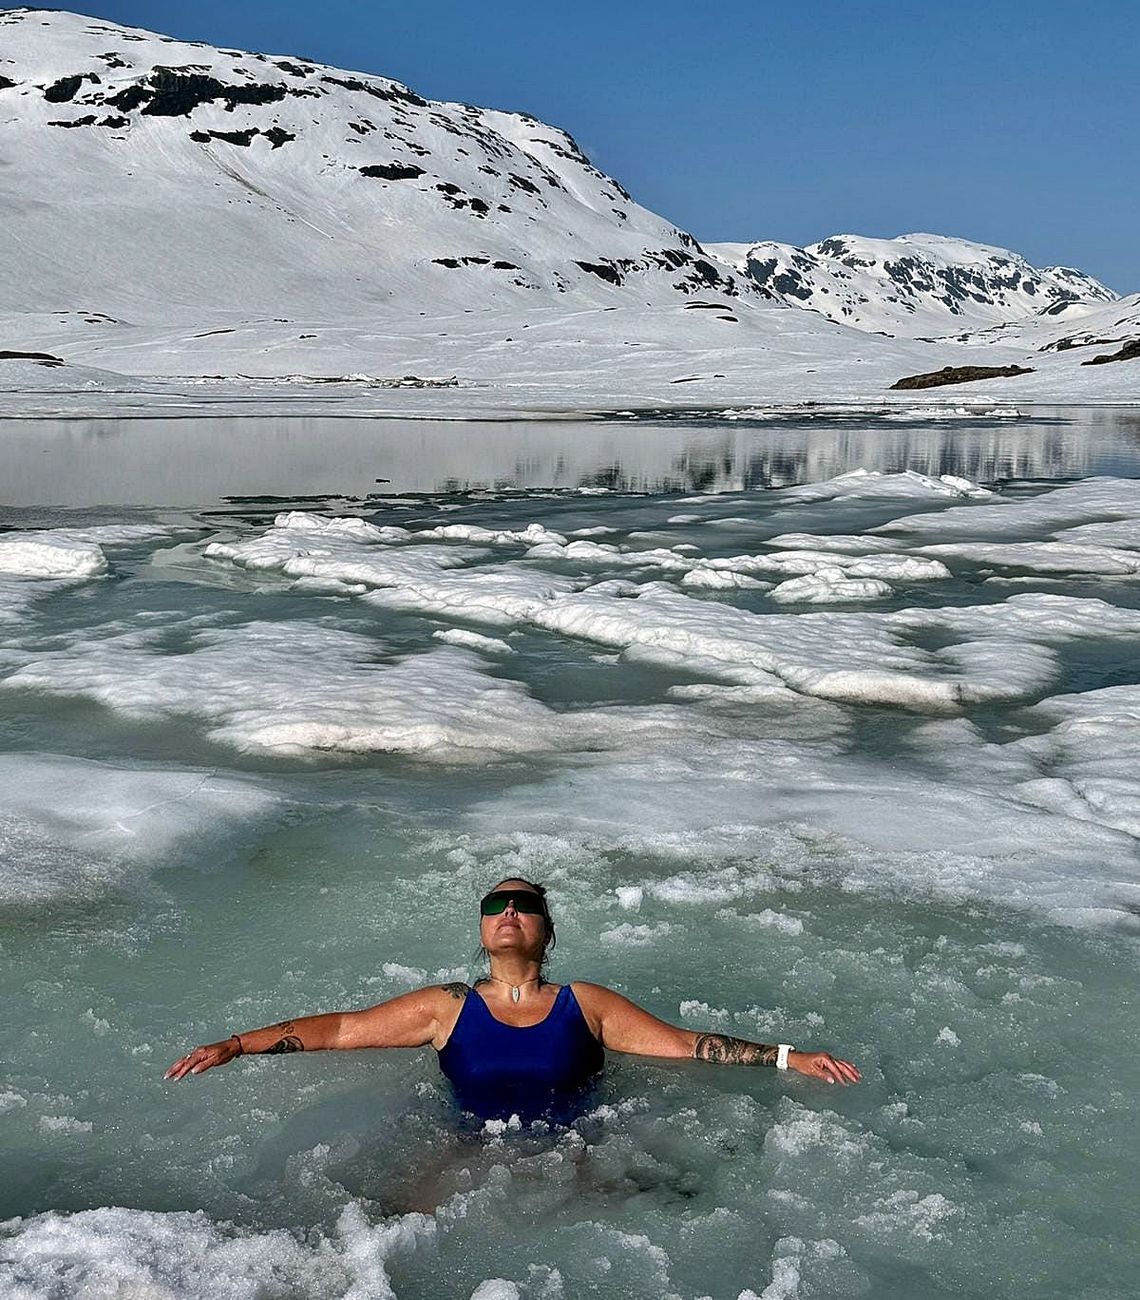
(948, 1037)
(50, 555)
(64, 1124)
(496, 1288)
(337, 555)
(889, 566)
(473, 640)
(722, 579)
(635, 936)
(506, 597)
(767, 919)
(300, 688)
(531, 535)
(877, 483)
(829, 586)
(147, 1253)
(1042, 557)
(795, 1260)
(907, 1212)
(1122, 533)
(1092, 753)
(603, 553)
(73, 828)
(1091, 500)
(843, 543)
(348, 528)
(629, 896)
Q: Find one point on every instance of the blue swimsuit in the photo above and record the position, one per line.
(534, 1071)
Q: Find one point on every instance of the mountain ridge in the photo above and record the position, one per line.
(173, 210)
(914, 285)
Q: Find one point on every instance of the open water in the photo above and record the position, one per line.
(849, 762)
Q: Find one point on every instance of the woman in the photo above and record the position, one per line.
(513, 1043)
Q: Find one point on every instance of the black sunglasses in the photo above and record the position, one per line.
(495, 903)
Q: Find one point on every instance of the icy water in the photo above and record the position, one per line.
(848, 762)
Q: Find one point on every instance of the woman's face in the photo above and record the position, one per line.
(513, 931)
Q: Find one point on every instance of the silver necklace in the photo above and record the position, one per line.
(515, 988)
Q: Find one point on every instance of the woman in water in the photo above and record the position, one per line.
(513, 1043)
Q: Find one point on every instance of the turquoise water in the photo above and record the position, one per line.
(236, 793)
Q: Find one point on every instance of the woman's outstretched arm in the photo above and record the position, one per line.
(623, 1026)
(411, 1020)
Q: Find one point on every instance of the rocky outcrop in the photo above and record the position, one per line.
(960, 375)
(1129, 352)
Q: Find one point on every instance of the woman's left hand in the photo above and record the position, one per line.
(822, 1065)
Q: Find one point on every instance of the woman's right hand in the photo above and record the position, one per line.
(205, 1058)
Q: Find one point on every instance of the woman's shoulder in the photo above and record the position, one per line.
(591, 996)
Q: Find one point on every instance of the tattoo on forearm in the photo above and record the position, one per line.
(723, 1050)
(290, 1040)
(290, 1043)
(456, 989)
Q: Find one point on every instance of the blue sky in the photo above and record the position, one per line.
(1008, 123)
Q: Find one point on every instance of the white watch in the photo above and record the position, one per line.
(782, 1055)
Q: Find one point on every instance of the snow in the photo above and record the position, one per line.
(43, 556)
(915, 285)
(524, 279)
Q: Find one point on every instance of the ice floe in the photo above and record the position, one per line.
(44, 555)
(72, 827)
(879, 483)
(184, 1254)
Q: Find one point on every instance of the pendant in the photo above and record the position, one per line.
(514, 992)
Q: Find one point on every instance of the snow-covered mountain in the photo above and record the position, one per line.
(916, 285)
(143, 175)
(178, 221)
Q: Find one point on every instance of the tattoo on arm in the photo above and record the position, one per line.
(457, 990)
(723, 1050)
(288, 1042)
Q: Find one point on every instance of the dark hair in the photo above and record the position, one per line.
(548, 921)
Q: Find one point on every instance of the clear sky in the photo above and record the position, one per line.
(1012, 123)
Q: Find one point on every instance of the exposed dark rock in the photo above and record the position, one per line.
(44, 358)
(293, 69)
(1067, 344)
(603, 270)
(521, 183)
(89, 120)
(6, 84)
(1129, 352)
(115, 122)
(59, 92)
(172, 92)
(400, 94)
(244, 138)
(960, 375)
(129, 98)
(113, 60)
(392, 171)
(453, 262)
